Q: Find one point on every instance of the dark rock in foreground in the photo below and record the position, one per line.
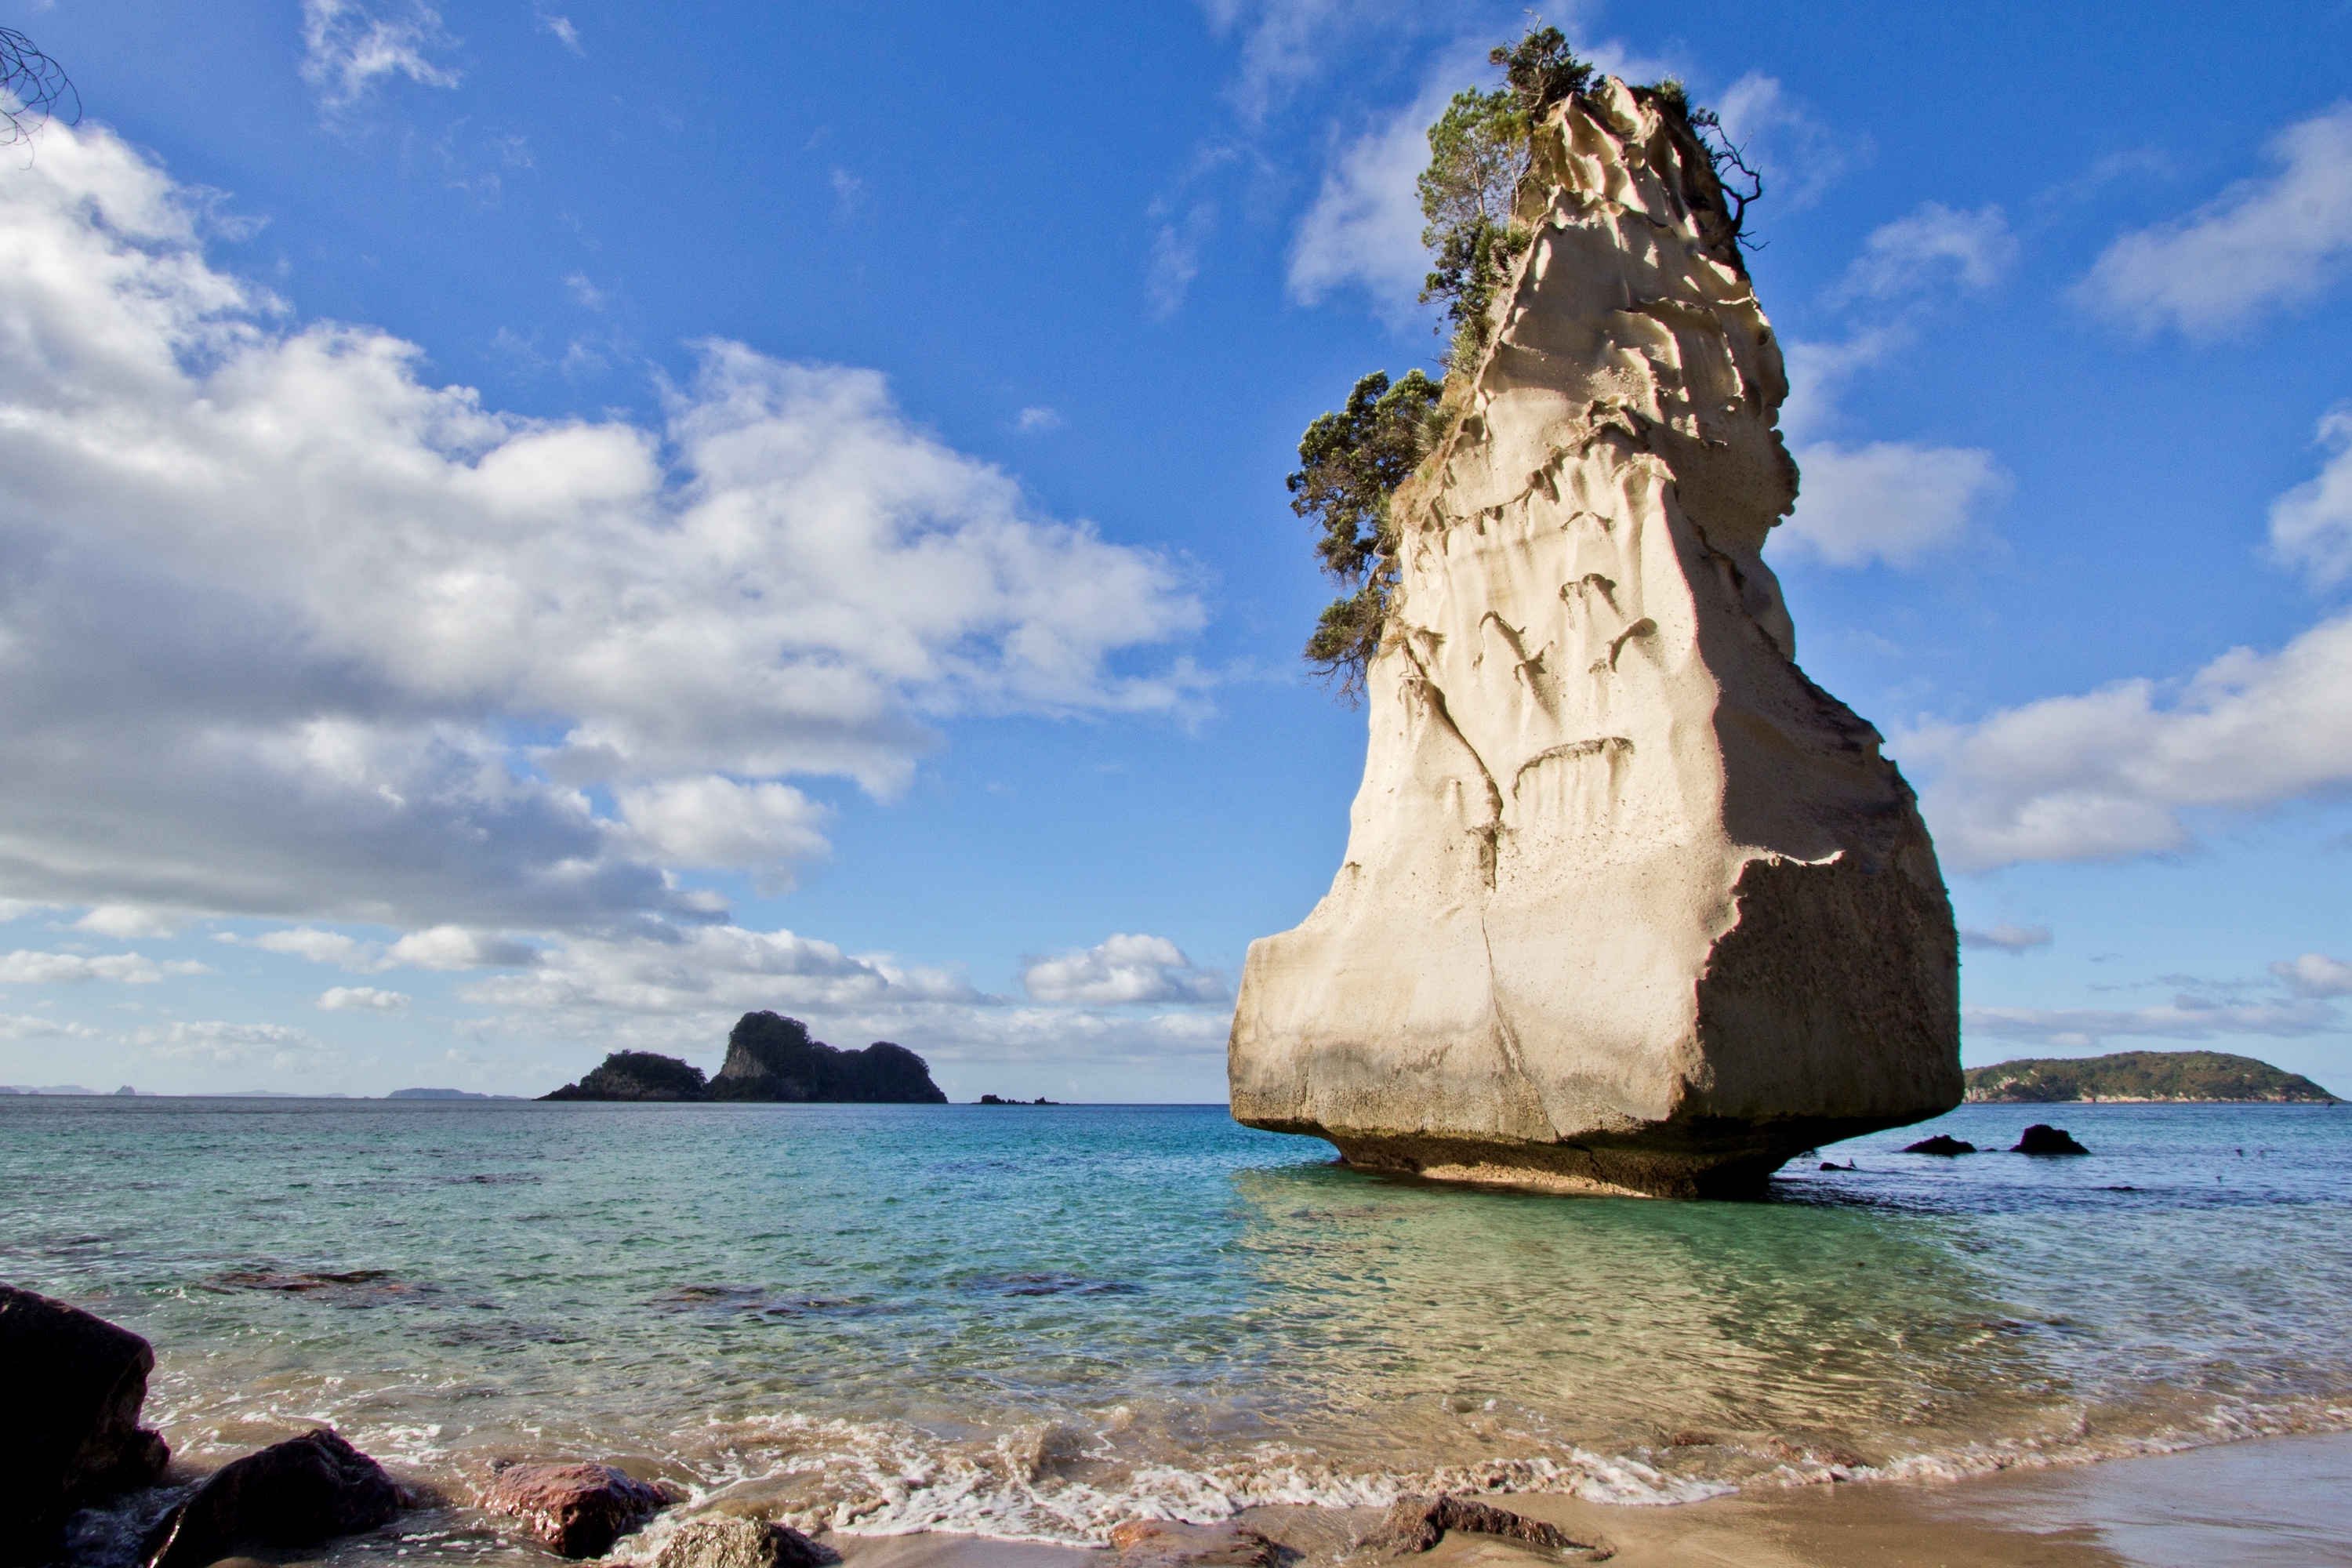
(71, 1384)
(1416, 1523)
(772, 1058)
(2140, 1078)
(578, 1511)
(2041, 1139)
(300, 1493)
(740, 1543)
(1941, 1143)
(636, 1075)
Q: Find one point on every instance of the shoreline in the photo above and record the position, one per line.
(2255, 1502)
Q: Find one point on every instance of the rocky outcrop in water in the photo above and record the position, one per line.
(71, 1383)
(2043, 1139)
(1416, 1524)
(740, 1543)
(301, 1492)
(770, 1057)
(574, 1509)
(636, 1075)
(1629, 903)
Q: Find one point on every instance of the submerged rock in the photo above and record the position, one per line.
(740, 1543)
(1161, 1543)
(1417, 1523)
(577, 1509)
(1941, 1143)
(2043, 1139)
(772, 1058)
(1629, 903)
(300, 1493)
(71, 1383)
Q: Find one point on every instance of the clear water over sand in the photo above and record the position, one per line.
(1032, 1321)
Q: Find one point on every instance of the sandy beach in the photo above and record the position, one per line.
(2279, 1502)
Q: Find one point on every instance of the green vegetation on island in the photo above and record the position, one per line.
(2142, 1076)
(1351, 463)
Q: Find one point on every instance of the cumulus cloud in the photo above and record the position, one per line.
(1037, 420)
(26, 1027)
(361, 999)
(318, 946)
(454, 947)
(2005, 937)
(288, 629)
(25, 968)
(1932, 246)
(716, 822)
(225, 1043)
(1176, 255)
(2111, 774)
(2263, 244)
(348, 49)
(2182, 1018)
(2311, 525)
(1284, 42)
(2314, 975)
(560, 28)
(1124, 971)
(125, 921)
(1896, 502)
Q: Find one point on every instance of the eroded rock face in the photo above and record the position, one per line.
(1629, 903)
(71, 1383)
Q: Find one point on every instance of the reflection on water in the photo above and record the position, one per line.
(1030, 1321)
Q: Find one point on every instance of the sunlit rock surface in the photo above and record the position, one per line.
(1629, 903)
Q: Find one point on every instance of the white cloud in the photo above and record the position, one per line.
(361, 999)
(561, 28)
(1176, 256)
(1124, 971)
(25, 1026)
(319, 947)
(1932, 247)
(126, 921)
(23, 968)
(2265, 242)
(2183, 1018)
(1284, 42)
(1037, 420)
(2006, 936)
(2311, 525)
(2110, 774)
(453, 947)
(284, 621)
(347, 50)
(2314, 975)
(1781, 140)
(1890, 501)
(716, 822)
(1365, 225)
(224, 1044)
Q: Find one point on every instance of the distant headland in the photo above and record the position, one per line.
(769, 1059)
(2142, 1077)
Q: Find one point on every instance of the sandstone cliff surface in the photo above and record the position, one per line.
(1628, 904)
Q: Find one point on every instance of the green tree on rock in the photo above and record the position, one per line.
(1351, 463)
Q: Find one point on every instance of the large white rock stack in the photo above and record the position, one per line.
(1629, 903)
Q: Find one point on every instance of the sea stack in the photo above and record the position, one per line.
(1629, 903)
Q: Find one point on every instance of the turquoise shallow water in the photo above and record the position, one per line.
(1032, 1321)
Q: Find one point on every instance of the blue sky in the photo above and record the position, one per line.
(537, 527)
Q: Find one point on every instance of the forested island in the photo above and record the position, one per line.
(2142, 1077)
(769, 1059)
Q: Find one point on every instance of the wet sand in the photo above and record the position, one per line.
(2277, 1502)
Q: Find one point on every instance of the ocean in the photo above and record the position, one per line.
(1029, 1322)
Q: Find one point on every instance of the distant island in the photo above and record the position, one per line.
(2142, 1077)
(769, 1059)
(446, 1094)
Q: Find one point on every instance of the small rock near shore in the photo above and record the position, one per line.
(1160, 1543)
(1941, 1143)
(1417, 1523)
(72, 1384)
(300, 1493)
(2042, 1139)
(576, 1509)
(740, 1543)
